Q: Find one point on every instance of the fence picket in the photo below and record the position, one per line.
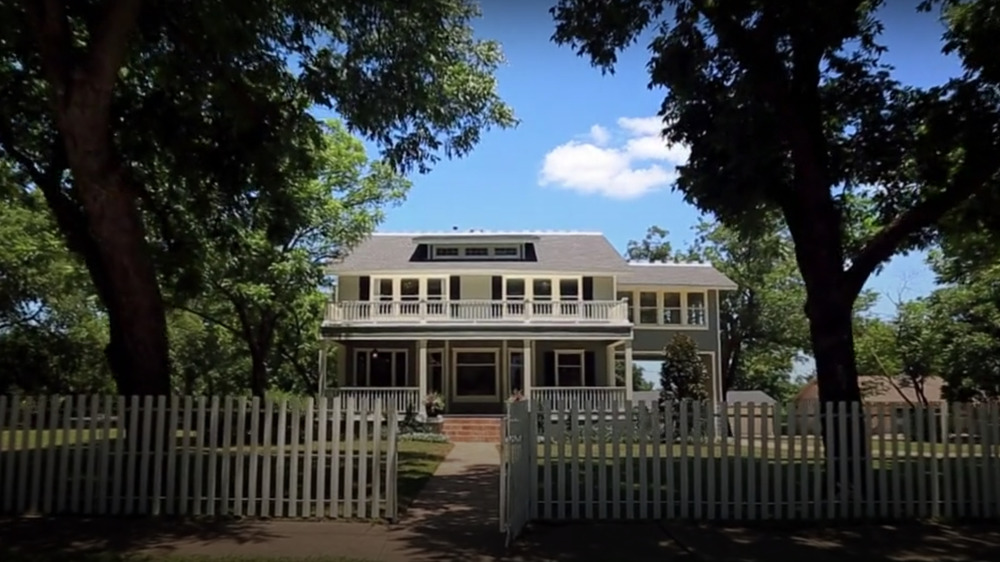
(117, 494)
(37, 451)
(348, 489)
(253, 458)
(335, 466)
(213, 458)
(185, 465)
(200, 460)
(6, 466)
(267, 505)
(588, 463)
(50, 454)
(159, 440)
(293, 464)
(376, 455)
(362, 502)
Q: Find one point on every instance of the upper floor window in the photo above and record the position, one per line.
(477, 252)
(668, 308)
(445, 252)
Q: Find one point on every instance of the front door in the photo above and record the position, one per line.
(476, 375)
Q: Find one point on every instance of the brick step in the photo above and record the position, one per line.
(472, 429)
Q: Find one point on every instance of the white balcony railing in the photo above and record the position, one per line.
(476, 312)
(364, 399)
(583, 398)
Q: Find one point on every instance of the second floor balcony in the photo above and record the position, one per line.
(471, 312)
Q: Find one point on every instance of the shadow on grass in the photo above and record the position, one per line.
(417, 463)
(110, 539)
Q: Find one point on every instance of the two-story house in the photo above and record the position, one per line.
(477, 316)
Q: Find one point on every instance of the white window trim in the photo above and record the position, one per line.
(556, 296)
(455, 352)
(583, 366)
(368, 365)
(660, 291)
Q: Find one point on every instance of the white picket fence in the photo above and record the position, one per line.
(769, 462)
(197, 456)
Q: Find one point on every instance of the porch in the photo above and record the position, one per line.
(478, 376)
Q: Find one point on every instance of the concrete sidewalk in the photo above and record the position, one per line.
(455, 519)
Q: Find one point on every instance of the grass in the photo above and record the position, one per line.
(417, 463)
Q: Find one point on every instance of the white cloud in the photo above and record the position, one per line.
(599, 135)
(639, 163)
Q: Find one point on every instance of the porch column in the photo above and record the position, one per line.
(609, 368)
(528, 360)
(628, 369)
(341, 351)
(421, 376)
(324, 348)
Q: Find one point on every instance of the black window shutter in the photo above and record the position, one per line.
(589, 368)
(588, 288)
(529, 252)
(454, 288)
(549, 368)
(364, 288)
(497, 288)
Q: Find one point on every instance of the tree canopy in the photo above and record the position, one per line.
(786, 107)
(127, 114)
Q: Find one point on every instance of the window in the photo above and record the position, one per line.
(435, 292)
(380, 368)
(475, 374)
(569, 368)
(514, 289)
(672, 308)
(506, 251)
(668, 308)
(384, 294)
(542, 291)
(569, 289)
(445, 252)
(648, 313)
(696, 313)
(516, 375)
(477, 252)
(627, 297)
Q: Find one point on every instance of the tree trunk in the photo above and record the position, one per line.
(258, 373)
(831, 332)
(138, 353)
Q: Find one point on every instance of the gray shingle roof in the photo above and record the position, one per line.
(557, 252)
(679, 274)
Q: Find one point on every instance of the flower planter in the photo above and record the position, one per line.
(435, 424)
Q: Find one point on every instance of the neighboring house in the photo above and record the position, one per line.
(747, 399)
(479, 315)
(885, 399)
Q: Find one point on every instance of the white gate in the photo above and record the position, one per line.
(517, 460)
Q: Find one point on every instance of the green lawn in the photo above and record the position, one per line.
(417, 463)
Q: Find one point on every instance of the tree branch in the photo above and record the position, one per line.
(884, 244)
(110, 44)
(209, 318)
(48, 19)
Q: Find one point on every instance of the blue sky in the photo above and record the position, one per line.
(584, 158)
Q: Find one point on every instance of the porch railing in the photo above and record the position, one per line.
(583, 398)
(477, 311)
(364, 399)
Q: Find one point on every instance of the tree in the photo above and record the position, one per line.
(654, 247)
(786, 106)
(682, 373)
(109, 107)
(638, 381)
(763, 327)
(263, 266)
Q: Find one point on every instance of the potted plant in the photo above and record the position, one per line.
(434, 405)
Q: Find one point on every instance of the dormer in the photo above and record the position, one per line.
(475, 246)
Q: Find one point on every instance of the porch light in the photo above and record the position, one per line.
(374, 354)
